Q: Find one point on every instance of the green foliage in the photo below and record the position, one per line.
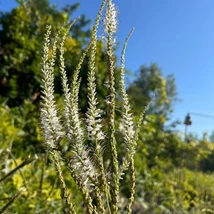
(20, 129)
(151, 81)
(21, 35)
(178, 191)
(8, 128)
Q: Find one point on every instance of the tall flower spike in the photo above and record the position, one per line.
(52, 129)
(110, 23)
(127, 128)
(110, 20)
(93, 120)
(127, 120)
(65, 86)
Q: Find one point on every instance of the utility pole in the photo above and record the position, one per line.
(188, 120)
(187, 123)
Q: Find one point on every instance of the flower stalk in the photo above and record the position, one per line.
(76, 143)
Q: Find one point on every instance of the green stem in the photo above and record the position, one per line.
(64, 190)
(133, 184)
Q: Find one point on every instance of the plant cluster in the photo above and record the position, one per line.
(79, 142)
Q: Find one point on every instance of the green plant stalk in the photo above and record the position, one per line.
(115, 189)
(141, 118)
(92, 105)
(20, 171)
(64, 190)
(84, 190)
(115, 175)
(133, 184)
(24, 163)
(74, 85)
(12, 200)
(99, 200)
(44, 162)
(104, 184)
(79, 182)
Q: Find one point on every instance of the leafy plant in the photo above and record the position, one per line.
(81, 143)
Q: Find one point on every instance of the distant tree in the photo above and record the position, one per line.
(211, 137)
(21, 43)
(151, 81)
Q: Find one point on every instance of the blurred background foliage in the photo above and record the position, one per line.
(173, 175)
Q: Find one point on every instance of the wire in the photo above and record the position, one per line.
(202, 115)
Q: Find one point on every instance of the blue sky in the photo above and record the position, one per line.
(179, 36)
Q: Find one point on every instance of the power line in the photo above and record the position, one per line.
(202, 115)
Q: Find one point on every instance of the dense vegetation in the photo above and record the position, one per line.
(172, 175)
